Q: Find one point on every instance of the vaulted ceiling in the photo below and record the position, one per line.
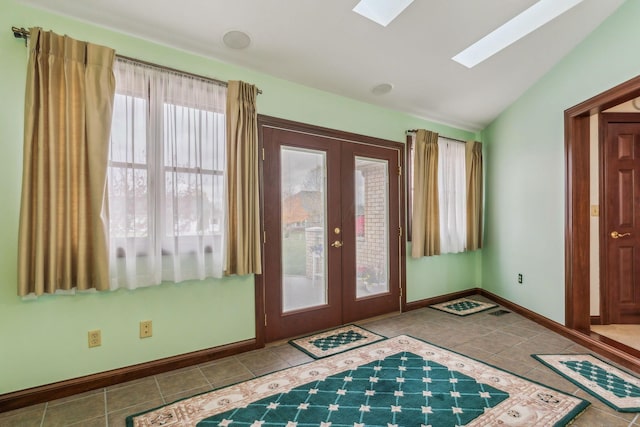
(325, 45)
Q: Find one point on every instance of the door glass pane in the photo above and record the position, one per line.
(303, 199)
(372, 226)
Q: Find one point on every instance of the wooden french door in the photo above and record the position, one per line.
(332, 231)
(620, 233)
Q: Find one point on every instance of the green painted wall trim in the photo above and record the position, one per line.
(45, 340)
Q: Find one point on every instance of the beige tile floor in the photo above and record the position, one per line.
(626, 334)
(506, 341)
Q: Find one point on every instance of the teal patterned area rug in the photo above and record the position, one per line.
(400, 381)
(613, 386)
(335, 341)
(463, 306)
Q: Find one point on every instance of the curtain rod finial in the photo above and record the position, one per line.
(20, 33)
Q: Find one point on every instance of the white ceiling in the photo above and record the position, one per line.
(323, 44)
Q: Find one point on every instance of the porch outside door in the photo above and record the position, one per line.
(620, 225)
(331, 219)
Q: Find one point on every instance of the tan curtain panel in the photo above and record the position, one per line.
(62, 240)
(425, 222)
(474, 195)
(243, 222)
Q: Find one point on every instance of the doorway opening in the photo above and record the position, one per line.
(577, 219)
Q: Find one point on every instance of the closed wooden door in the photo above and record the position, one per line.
(332, 233)
(620, 234)
(370, 254)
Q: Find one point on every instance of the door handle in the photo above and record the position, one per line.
(617, 235)
(337, 244)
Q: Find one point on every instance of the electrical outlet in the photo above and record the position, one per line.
(520, 278)
(95, 338)
(146, 329)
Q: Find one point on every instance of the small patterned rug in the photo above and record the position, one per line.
(463, 306)
(615, 387)
(335, 341)
(400, 381)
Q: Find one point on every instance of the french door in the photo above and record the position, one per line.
(332, 231)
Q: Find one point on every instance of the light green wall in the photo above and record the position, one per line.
(525, 168)
(44, 341)
(442, 274)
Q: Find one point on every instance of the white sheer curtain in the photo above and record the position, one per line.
(166, 177)
(452, 195)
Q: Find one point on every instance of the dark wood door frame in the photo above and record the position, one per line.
(339, 135)
(577, 219)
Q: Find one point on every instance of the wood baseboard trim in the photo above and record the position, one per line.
(414, 305)
(625, 348)
(610, 350)
(23, 398)
(596, 320)
(48, 392)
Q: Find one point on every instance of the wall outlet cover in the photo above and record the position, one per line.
(146, 329)
(95, 338)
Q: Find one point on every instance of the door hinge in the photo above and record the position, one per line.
(400, 231)
(399, 170)
(262, 153)
(265, 319)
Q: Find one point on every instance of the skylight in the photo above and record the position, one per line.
(381, 11)
(512, 31)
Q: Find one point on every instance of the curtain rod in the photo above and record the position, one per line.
(22, 33)
(445, 137)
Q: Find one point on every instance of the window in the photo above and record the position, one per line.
(452, 196)
(452, 193)
(166, 177)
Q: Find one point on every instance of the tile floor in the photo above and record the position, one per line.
(626, 334)
(506, 341)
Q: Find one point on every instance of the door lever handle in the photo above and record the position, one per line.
(337, 244)
(617, 235)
